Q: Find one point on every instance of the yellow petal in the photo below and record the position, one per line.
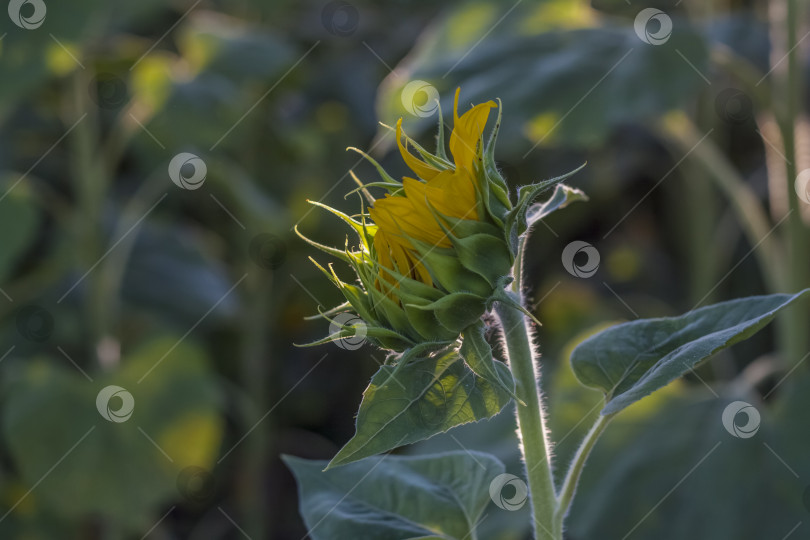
(422, 169)
(392, 255)
(451, 193)
(467, 131)
(398, 217)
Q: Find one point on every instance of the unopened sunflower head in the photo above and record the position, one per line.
(438, 248)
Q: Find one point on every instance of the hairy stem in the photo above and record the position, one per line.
(531, 423)
(569, 486)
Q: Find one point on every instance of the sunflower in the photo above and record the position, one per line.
(437, 249)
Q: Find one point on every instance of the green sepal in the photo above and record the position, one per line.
(447, 270)
(457, 311)
(360, 228)
(465, 227)
(345, 306)
(498, 206)
(477, 353)
(562, 197)
(425, 322)
(486, 255)
(412, 288)
(497, 210)
(387, 178)
(393, 188)
(391, 312)
(489, 156)
(516, 218)
(375, 333)
(357, 298)
(440, 144)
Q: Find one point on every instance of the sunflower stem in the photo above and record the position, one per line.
(531, 422)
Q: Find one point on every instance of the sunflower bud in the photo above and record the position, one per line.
(438, 248)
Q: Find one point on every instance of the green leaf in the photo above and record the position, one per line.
(561, 84)
(396, 498)
(426, 397)
(681, 441)
(123, 471)
(630, 361)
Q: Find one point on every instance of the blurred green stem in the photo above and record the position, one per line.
(111, 274)
(531, 424)
(793, 330)
(745, 202)
(253, 374)
(91, 184)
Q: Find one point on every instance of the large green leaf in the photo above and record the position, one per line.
(630, 361)
(680, 461)
(395, 497)
(560, 82)
(82, 464)
(170, 271)
(425, 397)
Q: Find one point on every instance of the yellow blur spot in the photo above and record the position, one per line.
(558, 15)
(152, 81)
(623, 264)
(469, 23)
(193, 439)
(17, 494)
(541, 127)
(675, 121)
(199, 49)
(59, 60)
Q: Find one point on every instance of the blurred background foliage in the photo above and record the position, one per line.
(191, 300)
